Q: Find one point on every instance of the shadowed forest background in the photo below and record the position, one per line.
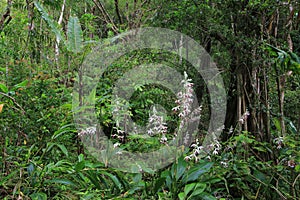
(256, 47)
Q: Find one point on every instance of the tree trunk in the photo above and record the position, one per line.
(57, 39)
(280, 80)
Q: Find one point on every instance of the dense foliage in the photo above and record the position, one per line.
(256, 47)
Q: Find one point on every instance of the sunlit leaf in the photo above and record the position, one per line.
(198, 190)
(188, 188)
(2, 69)
(74, 34)
(20, 85)
(38, 196)
(53, 25)
(3, 88)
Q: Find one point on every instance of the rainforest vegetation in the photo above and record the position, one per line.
(44, 49)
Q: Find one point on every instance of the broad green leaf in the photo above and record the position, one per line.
(206, 196)
(169, 181)
(38, 196)
(80, 157)
(79, 166)
(53, 25)
(295, 57)
(74, 34)
(292, 127)
(63, 149)
(277, 124)
(260, 176)
(62, 131)
(159, 183)
(94, 178)
(181, 196)
(137, 178)
(92, 96)
(30, 169)
(198, 190)
(114, 179)
(181, 167)
(49, 146)
(2, 69)
(261, 149)
(20, 85)
(3, 88)
(194, 173)
(297, 168)
(188, 188)
(67, 106)
(60, 181)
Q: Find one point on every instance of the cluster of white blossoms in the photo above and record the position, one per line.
(216, 146)
(88, 131)
(195, 152)
(186, 114)
(185, 98)
(279, 142)
(120, 112)
(157, 125)
(197, 149)
(184, 102)
(244, 117)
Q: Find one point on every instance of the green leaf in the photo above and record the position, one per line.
(260, 176)
(20, 85)
(292, 127)
(80, 157)
(63, 130)
(2, 69)
(114, 179)
(63, 149)
(194, 173)
(94, 178)
(206, 196)
(159, 183)
(181, 167)
(297, 168)
(295, 57)
(92, 96)
(30, 169)
(261, 149)
(3, 88)
(199, 189)
(277, 124)
(188, 188)
(60, 181)
(79, 166)
(137, 178)
(49, 146)
(181, 196)
(169, 181)
(74, 34)
(53, 25)
(6, 178)
(38, 196)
